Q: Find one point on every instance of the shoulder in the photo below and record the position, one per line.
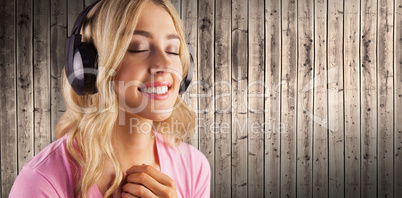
(188, 167)
(195, 157)
(32, 183)
(55, 155)
(200, 169)
(184, 154)
(48, 154)
(52, 171)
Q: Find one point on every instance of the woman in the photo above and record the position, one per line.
(125, 140)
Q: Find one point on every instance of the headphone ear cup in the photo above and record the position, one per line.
(81, 65)
(85, 69)
(185, 83)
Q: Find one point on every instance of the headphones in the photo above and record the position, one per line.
(81, 64)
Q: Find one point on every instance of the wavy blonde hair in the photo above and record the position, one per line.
(84, 119)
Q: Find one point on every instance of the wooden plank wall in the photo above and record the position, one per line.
(351, 66)
(335, 100)
(295, 98)
(397, 135)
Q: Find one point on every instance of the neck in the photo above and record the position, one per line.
(134, 144)
(133, 139)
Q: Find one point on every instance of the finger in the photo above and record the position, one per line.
(147, 181)
(137, 190)
(151, 171)
(127, 195)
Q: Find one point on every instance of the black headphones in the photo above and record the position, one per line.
(81, 64)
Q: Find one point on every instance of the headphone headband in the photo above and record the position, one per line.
(78, 22)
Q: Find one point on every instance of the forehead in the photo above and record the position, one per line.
(155, 19)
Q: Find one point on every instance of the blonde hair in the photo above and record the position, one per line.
(85, 116)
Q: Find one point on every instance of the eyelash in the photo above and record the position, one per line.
(140, 51)
(172, 53)
(137, 51)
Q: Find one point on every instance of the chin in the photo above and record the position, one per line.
(161, 117)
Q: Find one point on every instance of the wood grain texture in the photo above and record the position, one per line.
(368, 98)
(24, 82)
(398, 99)
(289, 99)
(190, 26)
(88, 2)
(223, 102)
(352, 97)
(255, 95)
(385, 98)
(8, 127)
(336, 141)
(239, 99)
(177, 5)
(272, 106)
(206, 79)
(74, 7)
(41, 73)
(320, 115)
(305, 88)
(58, 35)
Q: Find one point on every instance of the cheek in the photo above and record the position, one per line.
(126, 83)
(131, 74)
(178, 71)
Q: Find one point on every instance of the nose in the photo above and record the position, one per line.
(160, 62)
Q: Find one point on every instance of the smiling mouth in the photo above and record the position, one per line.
(160, 90)
(156, 88)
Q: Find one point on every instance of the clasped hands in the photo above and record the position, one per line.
(146, 181)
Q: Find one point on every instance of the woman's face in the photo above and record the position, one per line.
(149, 77)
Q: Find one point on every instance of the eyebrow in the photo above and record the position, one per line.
(149, 35)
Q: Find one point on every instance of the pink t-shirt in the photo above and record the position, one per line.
(54, 173)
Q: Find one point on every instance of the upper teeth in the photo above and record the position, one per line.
(156, 90)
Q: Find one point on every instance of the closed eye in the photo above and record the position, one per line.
(173, 53)
(137, 51)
